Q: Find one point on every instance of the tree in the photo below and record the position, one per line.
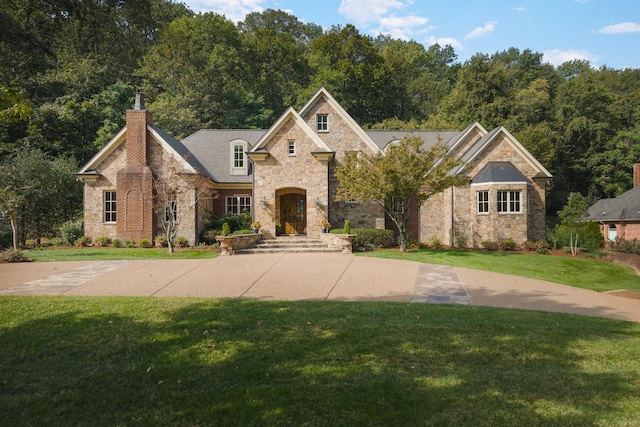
(575, 208)
(176, 197)
(392, 179)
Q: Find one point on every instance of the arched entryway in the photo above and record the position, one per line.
(293, 211)
(613, 232)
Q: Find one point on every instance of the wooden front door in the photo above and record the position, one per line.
(293, 213)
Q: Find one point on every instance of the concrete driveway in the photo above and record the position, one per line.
(322, 277)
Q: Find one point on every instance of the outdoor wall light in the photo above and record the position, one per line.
(264, 204)
(318, 204)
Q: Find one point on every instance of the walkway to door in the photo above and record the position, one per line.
(330, 277)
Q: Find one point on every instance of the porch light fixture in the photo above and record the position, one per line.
(264, 204)
(318, 204)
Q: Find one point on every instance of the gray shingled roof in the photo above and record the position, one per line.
(179, 148)
(211, 147)
(625, 207)
(382, 138)
(499, 172)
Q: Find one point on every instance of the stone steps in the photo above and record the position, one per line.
(286, 244)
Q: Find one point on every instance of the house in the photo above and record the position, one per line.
(619, 217)
(285, 176)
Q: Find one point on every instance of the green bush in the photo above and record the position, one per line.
(226, 229)
(144, 243)
(625, 246)
(130, 243)
(489, 245)
(117, 243)
(13, 255)
(235, 222)
(369, 238)
(71, 231)
(241, 232)
(160, 241)
(461, 241)
(507, 245)
(83, 241)
(6, 235)
(180, 242)
(347, 227)
(589, 236)
(436, 242)
(208, 236)
(103, 241)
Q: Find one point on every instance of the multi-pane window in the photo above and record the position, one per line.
(509, 202)
(109, 206)
(238, 156)
(483, 202)
(291, 147)
(322, 121)
(238, 204)
(171, 211)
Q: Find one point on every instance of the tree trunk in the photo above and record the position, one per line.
(14, 229)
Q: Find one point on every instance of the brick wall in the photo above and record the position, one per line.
(628, 259)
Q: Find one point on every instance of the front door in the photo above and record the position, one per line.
(293, 209)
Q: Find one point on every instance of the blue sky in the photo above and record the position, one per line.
(604, 32)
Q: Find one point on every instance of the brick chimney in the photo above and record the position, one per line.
(636, 175)
(134, 186)
(136, 145)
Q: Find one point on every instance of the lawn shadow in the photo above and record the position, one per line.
(239, 362)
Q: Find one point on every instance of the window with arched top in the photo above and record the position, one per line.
(238, 157)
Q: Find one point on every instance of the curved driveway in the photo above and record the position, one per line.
(330, 277)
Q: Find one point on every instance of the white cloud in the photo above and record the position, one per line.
(520, 9)
(361, 11)
(401, 27)
(558, 57)
(443, 41)
(482, 31)
(234, 10)
(621, 28)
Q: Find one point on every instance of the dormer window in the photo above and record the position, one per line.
(322, 122)
(238, 149)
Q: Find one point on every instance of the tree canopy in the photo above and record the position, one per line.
(70, 69)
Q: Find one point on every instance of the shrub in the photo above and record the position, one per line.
(144, 243)
(226, 230)
(6, 235)
(625, 246)
(208, 236)
(347, 227)
(507, 245)
(436, 242)
(235, 222)
(71, 231)
(161, 241)
(489, 245)
(241, 232)
(180, 242)
(103, 241)
(117, 243)
(13, 255)
(371, 238)
(130, 243)
(542, 251)
(83, 241)
(461, 241)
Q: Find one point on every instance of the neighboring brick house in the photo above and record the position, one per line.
(285, 177)
(619, 217)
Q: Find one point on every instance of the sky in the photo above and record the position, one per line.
(604, 32)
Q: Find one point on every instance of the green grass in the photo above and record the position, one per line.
(146, 361)
(582, 273)
(100, 254)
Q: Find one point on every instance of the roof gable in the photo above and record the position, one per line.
(323, 93)
(625, 207)
(290, 114)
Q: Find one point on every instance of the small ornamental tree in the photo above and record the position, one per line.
(571, 214)
(393, 178)
(176, 197)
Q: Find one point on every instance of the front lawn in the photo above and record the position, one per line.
(582, 273)
(101, 254)
(187, 362)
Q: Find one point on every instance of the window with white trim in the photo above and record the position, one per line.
(171, 211)
(509, 202)
(322, 122)
(110, 206)
(237, 205)
(291, 147)
(238, 156)
(483, 202)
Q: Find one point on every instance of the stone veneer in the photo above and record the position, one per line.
(454, 211)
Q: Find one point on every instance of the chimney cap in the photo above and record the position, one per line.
(139, 105)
